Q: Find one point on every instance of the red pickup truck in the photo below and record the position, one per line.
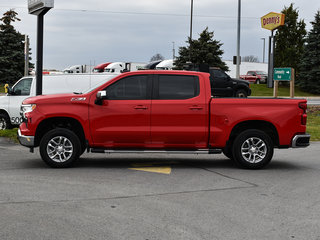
(161, 111)
(255, 77)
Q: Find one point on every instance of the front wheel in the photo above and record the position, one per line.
(4, 122)
(252, 149)
(60, 148)
(258, 81)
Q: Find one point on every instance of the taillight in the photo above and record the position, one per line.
(303, 106)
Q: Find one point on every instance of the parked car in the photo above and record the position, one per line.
(255, 77)
(161, 111)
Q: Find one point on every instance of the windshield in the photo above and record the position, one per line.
(261, 73)
(106, 79)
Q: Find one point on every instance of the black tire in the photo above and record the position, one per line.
(5, 121)
(241, 93)
(252, 149)
(258, 81)
(60, 148)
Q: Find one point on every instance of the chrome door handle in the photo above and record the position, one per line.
(140, 107)
(195, 108)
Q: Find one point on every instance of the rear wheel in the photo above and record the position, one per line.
(252, 149)
(5, 121)
(60, 148)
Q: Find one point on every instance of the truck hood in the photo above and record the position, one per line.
(56, 98)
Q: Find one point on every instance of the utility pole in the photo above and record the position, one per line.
(26, 55)
(238, 40)
(173, 51)
(264, 49)
(191, 17)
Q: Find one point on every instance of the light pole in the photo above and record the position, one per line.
(238, 40)
(191, 16)
(264, 49)
(39, 8)
(173, 51)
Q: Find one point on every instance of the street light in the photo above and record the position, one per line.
(238, 40)
(191, 15)
(264, 48)
(39, 8)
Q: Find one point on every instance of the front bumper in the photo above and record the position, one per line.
(27, 141)
(301, 140)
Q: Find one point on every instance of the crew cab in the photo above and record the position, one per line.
(161, 111)
(255, 77)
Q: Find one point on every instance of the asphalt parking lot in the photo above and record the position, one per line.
(135, 196)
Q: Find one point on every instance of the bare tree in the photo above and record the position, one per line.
(156, 57)
(250, 58)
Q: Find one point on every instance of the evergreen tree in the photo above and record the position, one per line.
(203, 50)
(11, 49)
(309, 77)
(289, 40)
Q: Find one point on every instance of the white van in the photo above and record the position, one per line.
(51, 84)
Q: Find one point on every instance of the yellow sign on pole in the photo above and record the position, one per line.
(272, 20)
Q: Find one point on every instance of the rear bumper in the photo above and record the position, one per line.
(301, 140)
(27, 141)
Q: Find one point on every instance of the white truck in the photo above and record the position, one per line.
(165, 65)
(119, 67)
(78, 69)
(51, 84)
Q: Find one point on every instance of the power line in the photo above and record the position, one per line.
(137, 13)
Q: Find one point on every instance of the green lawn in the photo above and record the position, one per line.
(313, 122)
(264, 91)
(10, 133)
(1, 88)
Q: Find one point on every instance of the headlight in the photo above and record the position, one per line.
(26, 108)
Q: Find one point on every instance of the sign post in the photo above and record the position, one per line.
(271, 21)
(283, 74)
(39, 8)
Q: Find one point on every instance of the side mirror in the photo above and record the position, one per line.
(101, 95)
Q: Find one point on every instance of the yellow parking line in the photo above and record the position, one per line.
(151, 167)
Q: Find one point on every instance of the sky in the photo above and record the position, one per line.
(97, 31)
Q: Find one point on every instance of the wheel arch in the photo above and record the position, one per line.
(241, 87)
(264, 126)
(60, 122)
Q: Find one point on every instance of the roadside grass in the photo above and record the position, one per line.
(313, 123)
(1, 88)
(284, 91)
(11, 134)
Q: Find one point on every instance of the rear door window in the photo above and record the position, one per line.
(176, 87)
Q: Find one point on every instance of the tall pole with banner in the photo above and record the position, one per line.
(39, 8)
(271, 21)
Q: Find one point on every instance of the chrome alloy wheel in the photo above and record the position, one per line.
(254, 150)
(59, 149)
(3, 123)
